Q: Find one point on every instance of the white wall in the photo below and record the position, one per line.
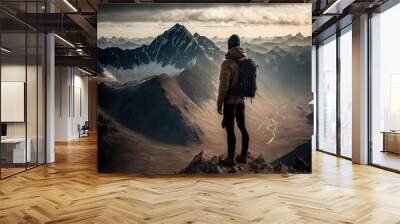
(16, 73)
(81, 104)
(71, 102)
(33, 126)
(12, 73)
(62, 81)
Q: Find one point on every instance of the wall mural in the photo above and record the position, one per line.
(176, 88)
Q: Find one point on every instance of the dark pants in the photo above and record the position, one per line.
(229, 124)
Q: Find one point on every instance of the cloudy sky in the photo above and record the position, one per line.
(220, 20)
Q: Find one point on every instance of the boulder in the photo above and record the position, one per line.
(301, 166)
(257, 165)
(280, 168)
(201, 163)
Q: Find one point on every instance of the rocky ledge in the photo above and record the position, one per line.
(204, 164)
(293, 162)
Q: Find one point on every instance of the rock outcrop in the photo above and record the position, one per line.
(205, 164)
(293, 162)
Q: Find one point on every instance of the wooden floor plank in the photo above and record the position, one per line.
(71, 191)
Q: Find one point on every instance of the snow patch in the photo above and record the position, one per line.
(140, 72)
(107, 76)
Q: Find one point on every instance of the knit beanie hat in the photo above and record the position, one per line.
(233, 41)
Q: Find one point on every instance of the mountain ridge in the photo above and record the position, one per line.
(185, 48)
(156, 108)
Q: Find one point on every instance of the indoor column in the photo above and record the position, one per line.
(360, 90)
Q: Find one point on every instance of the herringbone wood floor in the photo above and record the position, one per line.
(71, 191)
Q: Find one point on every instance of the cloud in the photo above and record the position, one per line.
(232, 14)
(248, 20)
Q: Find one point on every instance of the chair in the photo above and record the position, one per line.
(84, 130)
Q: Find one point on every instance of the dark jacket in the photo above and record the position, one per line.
(229, 77)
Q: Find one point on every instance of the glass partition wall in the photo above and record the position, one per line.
(334, 94)
(22, 77)
(13, 90)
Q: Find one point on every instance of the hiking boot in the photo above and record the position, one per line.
(241, 159)
(228, 162)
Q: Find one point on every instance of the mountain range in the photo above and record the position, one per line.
(132, 43)
(163, 83)
(121, 42)
(176, 47)
(157, 100)
(162, 103)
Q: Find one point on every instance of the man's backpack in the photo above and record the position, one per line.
(247, 78)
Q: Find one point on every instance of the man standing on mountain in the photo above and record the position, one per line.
(230, 102)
